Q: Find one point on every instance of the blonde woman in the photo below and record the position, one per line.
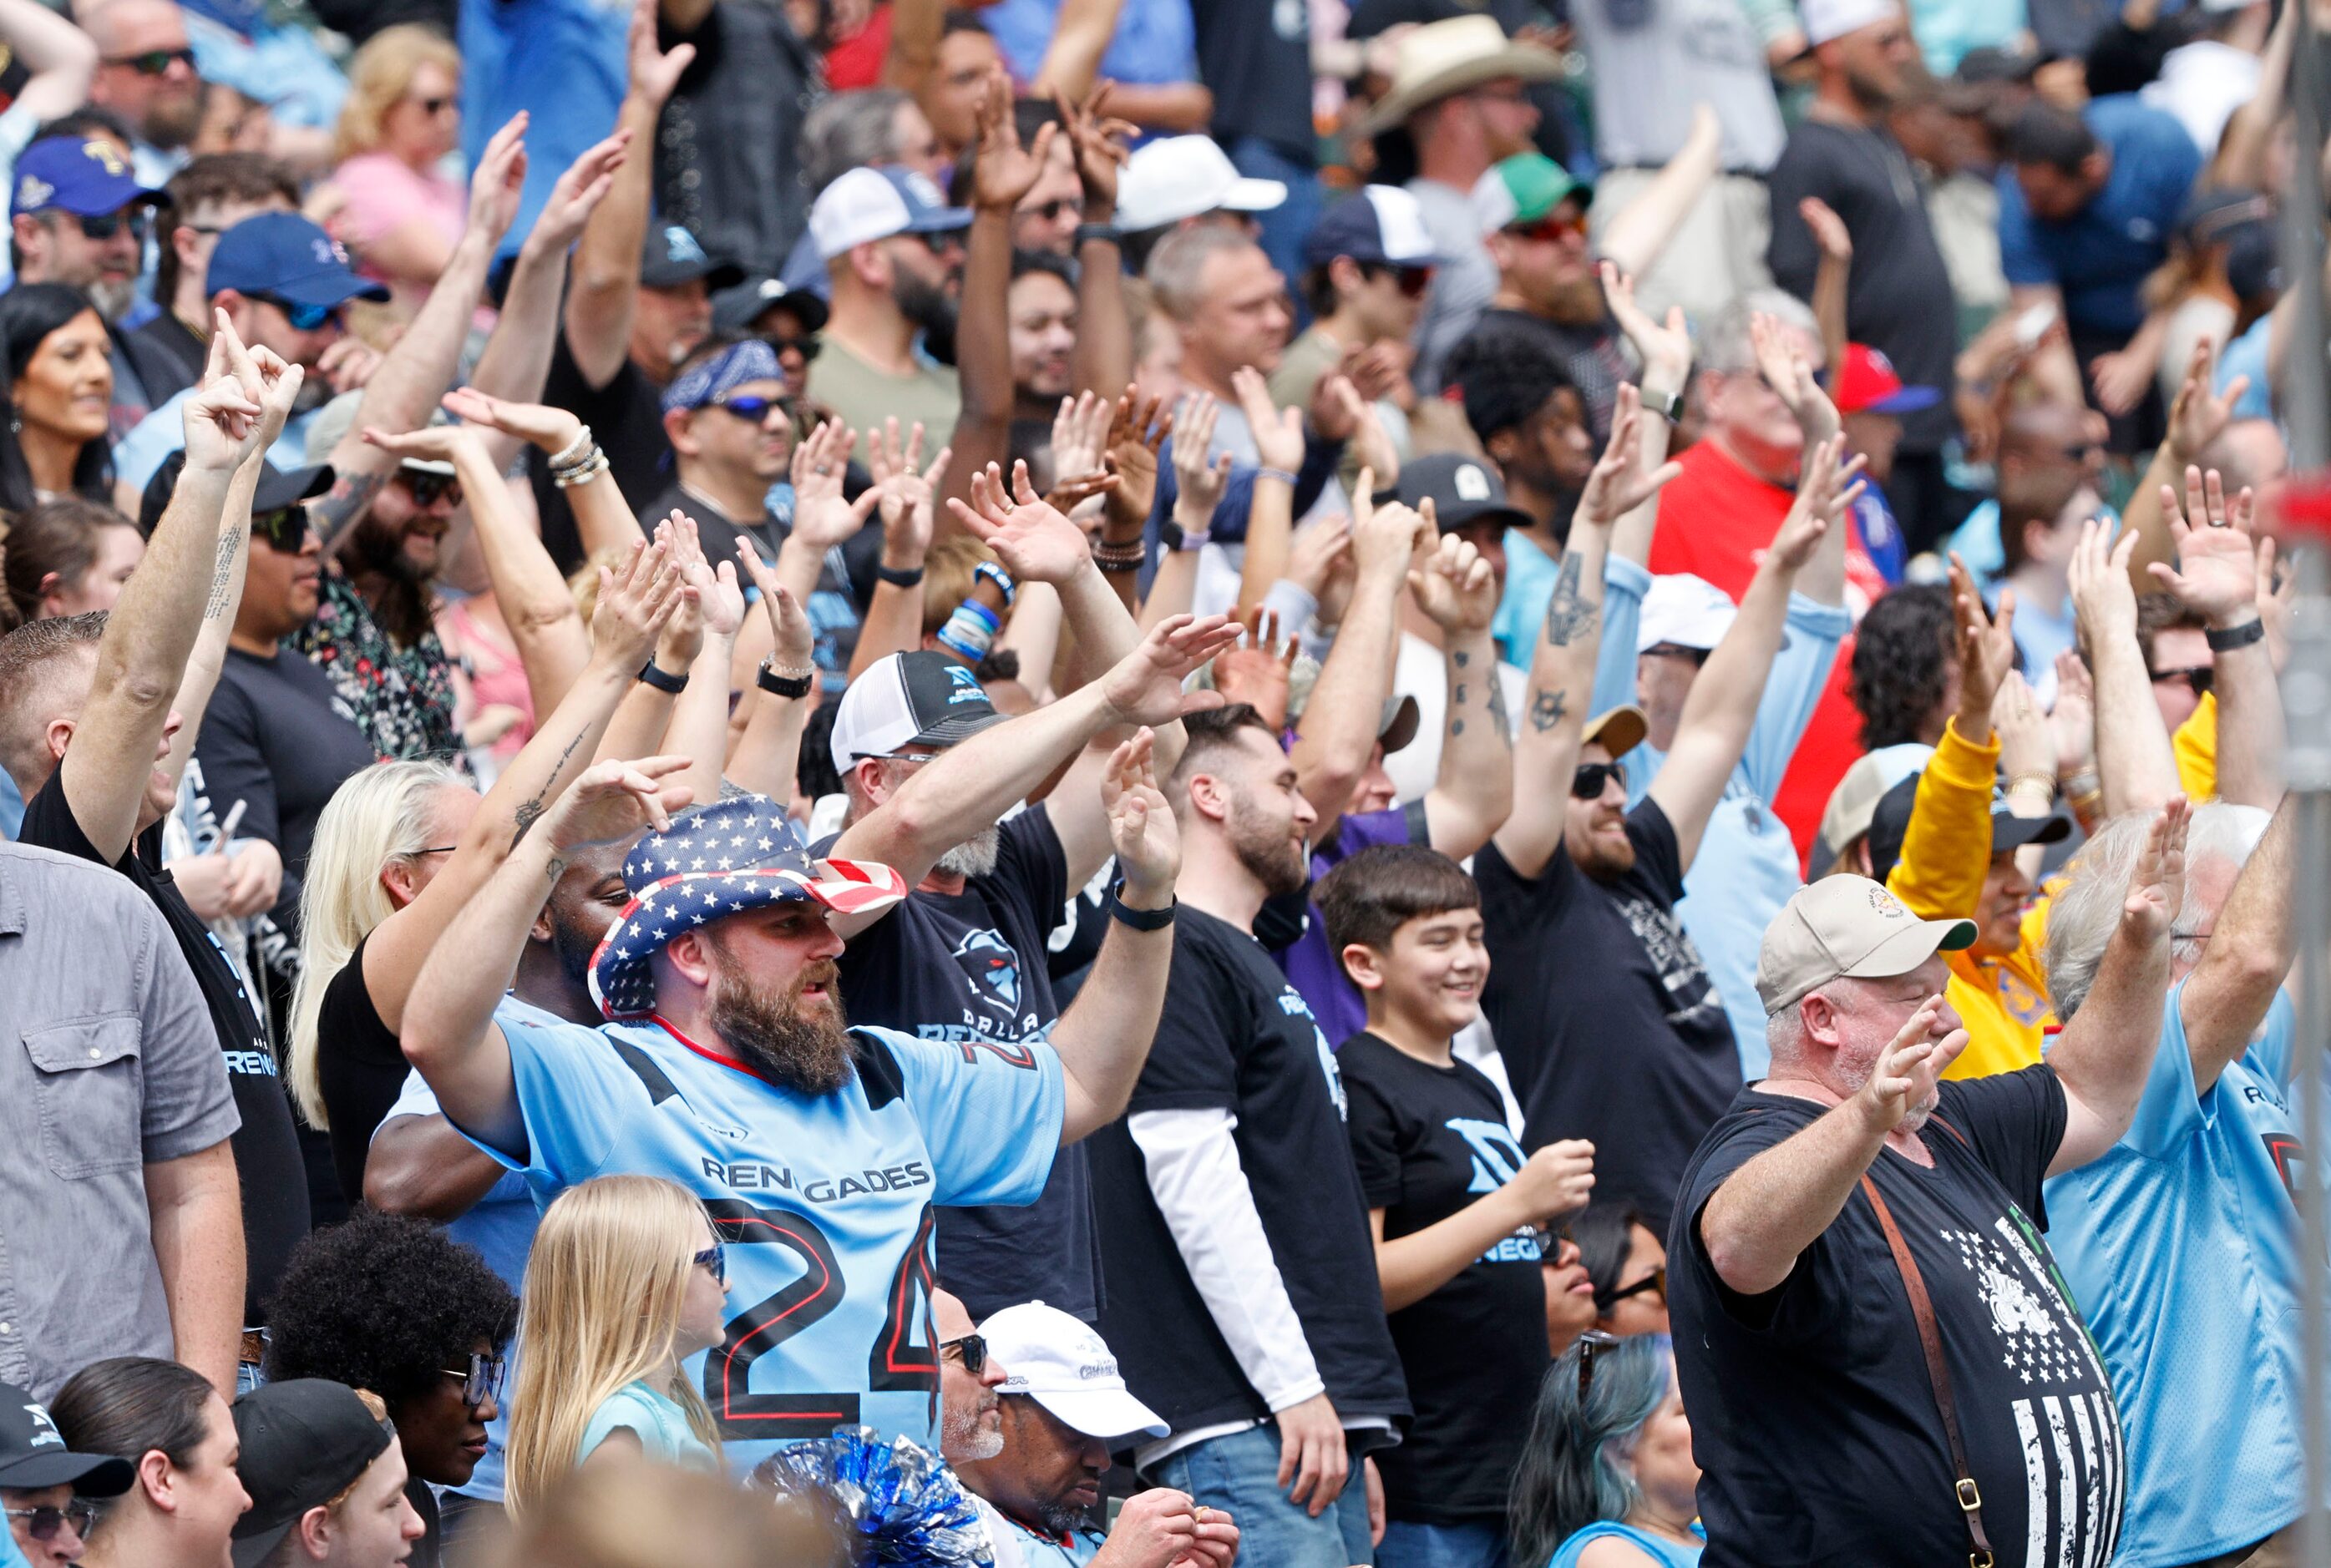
(402, 214)
(625, 1282)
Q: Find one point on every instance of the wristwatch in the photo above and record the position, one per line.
(1669, 408)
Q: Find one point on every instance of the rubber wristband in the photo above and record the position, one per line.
(900, 576)
(1107, 232)
(1139, 919)
(674, 684)
(1000, 577)
(1276, 473)
(795, 687)
(2251, 631)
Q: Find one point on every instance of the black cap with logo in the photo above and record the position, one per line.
(32, 1453)
(1463, 491)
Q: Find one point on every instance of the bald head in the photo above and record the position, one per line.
(122, 27)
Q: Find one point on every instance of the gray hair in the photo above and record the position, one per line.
(1177, 266)
(850, 131)
(1729, 347)
(2084, 913)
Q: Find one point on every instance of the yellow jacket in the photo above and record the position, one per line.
(2196, 745)
(1946, 855)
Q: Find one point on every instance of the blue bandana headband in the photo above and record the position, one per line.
(715, 378)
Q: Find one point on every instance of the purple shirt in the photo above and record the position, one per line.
(1310, 964)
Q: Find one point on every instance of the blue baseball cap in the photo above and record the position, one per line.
(1379, 226)
(86, 177)
(876, 202)
(287, 257)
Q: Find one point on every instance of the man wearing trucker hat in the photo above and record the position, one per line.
(1879, 1357)
(893, 255)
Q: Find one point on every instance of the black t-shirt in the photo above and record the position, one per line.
(1605, 1015)
(1255, 57)
(626, 419)
(1235, 1036)
(967, 967)
(1812, 1418)
(1897, 291)
(1429, 1140)
(360, 1069)
(274, 1186)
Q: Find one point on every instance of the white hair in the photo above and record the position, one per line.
(2084, 913)
(1729, 347)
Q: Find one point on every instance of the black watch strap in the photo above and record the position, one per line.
(1108, 231)
(776, 685)
(1139, 919)
(900, 576)
(2251, 631)
(675, 684)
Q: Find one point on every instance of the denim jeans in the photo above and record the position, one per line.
(1412, 1546)
(1240, 1473)
(1285, 225)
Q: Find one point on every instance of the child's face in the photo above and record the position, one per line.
(1436, 969)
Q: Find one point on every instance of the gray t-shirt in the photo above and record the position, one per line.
(1463, 283)
(1655, 59)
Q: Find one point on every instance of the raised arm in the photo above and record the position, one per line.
(2135, 768)
(1767, 1213)
(766, 758)
(2248, 952)
(61, 58)
(605, 287)
(894, 620)
(2217, 577)
(2197, 418)
(1665, 350)
(698, 727)
(1642, 229)
(1081, 30)
(2105, 1053)
(1102, 360)
(151, 632)
(1271, 515)
(1004, 171)
(1562, 669)
(1947, 847)
(1721, 710)
(1474, 789)
(1338, 732)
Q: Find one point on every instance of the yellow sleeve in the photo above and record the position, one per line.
(2196, 745)
(1947, 851)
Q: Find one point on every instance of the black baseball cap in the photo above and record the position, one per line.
(1463, 491)
(304, 1442)
(32, 1453)
(673, 256)
(278, 487)
(1891, 821)
(735, 309)
(914, 698)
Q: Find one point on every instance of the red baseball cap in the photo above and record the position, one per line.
(1866, 384)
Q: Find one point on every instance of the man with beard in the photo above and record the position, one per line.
(146, 74)
(731, 426)
(1533, 218)
(1843, 154)
(1063, 1408)
(79, 217)
(819, 1150)
(893, 253)
(971, 1413)
(1243, 1292)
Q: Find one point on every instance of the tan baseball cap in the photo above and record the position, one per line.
(1846, 927)
(1618, 731)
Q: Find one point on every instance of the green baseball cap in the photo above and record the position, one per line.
(1523, 188)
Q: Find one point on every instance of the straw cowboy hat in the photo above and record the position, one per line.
(1441, 59)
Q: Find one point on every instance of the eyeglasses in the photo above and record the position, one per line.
(972, 1348)
(1592, 1344)
(2198, 677)
(307, 318)
(43, 1523)
(1552, 228)
(807, 347)
(753, 410)
(945, 242)
(424, 487)
(154, 62)
(714, 1260)
(482, 1379)
(285, 529)
(139, 221)
(1587, 783)
(1655, 1283)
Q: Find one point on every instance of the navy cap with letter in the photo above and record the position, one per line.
(876, 200)
(1463, 491)
(286, 257)
(89, 178)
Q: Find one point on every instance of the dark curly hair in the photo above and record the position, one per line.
(384, 1303)
(1902, 653)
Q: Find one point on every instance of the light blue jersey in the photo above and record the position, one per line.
(1531, 575)
(2180, 1250)
(1748, 866)
(825, 1202)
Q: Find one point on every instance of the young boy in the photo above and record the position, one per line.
(1454, 1205)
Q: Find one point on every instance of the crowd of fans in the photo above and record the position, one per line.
(1148, 782)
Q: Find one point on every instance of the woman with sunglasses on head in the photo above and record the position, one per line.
(627, 1280)
(394, 1305)
(401, 216)
(54, 415)
(1607, 1479)
(1627, 1267)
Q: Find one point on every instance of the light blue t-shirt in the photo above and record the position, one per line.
(151, 442)
(1521, 608)
(1156, 42)
(1666, 1554)
(1531, 575)
(1747, 867)
(562, 61)
(824, 1202)
(2180, 1246)
(654, 1418)
(2245, 356)
(1977, 541)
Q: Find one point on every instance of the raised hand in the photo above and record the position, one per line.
(1004, 171)
(1986, 642)
(1137, 427)
(2025, 745)
(2199, 416)
(497, 181)
(791, 636)
(1081, 435)
(1384, 539)
(1278, 432)
(1369, 438)
(2104, 600)
(553, 430)
(637, 599)
(1141, 826)
(1784, 370)
(821, 517)
(653, 72)
(1456, 589)
(2120, 377)
(279, 394)
(1556, 1179)
(2216, 575)
(1830, 232)
(1035, 542)
(1664, 347)
(906, 491)
(719, 598)
(2274, 603)
(1619, 484)
(1199, 483)
(2072, 721)
(1145, 687)
(1102, 145)
(1258, 671)
(614, 800)
(224, 417)
(1900, 1091)
(429, 443)
(2156, 884)
(577, 194)
(1824, 493)
(1317, 551)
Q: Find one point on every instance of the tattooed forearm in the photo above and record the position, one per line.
(1548, 709)
(223, 574)
(1570, 614)
(530, 811)
(1498, 720)
(342, 505)
(555, 869)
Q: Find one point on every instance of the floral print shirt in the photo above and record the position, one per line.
(401, 697)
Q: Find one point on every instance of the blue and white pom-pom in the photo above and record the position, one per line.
(897, 1501)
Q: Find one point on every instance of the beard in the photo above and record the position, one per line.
(1272, 860)
(1606, 862)
(1061, 1518)
(575, 938)
(976, 856)
(967, 1436)
(1577, 302)
(926, 305)
(171, 123)
(113, 296)
(803, 1050)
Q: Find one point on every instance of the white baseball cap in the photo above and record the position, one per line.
(1826, 19)
(874, 203)
(1685, 611)
(1066, 1367)
(917, 697)
(1181, 176)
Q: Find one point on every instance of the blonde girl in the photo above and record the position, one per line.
(626, 1281)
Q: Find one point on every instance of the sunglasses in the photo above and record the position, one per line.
(154, 62)
(973, 1350)
(307, 318)
(1592, 1344)
(42, 1524)
(1551, 228)
(425, 488)
(714, 1260)
(139, 221)
(753, 410)
(2198, 679)
(482, 1379)
(1655, 1283)
(285, 529)
(1411, 281)
(807, 347)
(1049, 211)
(1587, 783)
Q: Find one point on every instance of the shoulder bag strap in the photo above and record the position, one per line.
(1939, 1374)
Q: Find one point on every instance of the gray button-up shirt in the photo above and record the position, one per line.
(107, 1064)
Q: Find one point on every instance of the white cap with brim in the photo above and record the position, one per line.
(1846, 927)
(1063, 1365)
(1685, 612)
(1183, 177)
(1827, 19)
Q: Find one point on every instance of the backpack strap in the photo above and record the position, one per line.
(1939, 1374)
